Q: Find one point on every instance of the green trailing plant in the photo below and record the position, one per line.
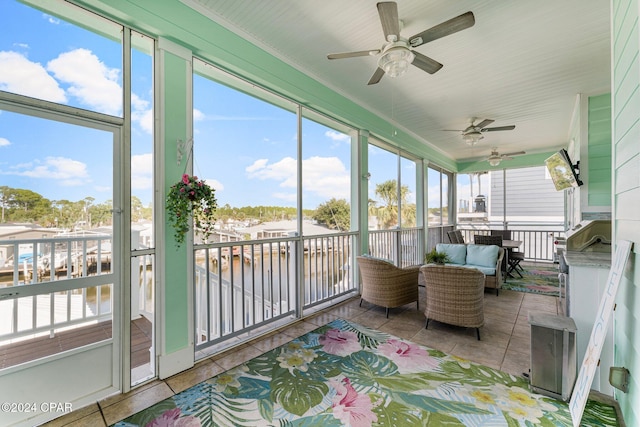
(188, 198)
(435, 257)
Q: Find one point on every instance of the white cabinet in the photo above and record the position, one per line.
(588, 274)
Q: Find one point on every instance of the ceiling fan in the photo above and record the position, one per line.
(495, 158)
(397, 52)
(473, 133)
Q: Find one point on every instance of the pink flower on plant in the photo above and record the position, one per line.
(171, 418)
(192, 192)
(406, 355)
(340, 343)
(185, 178)
(182, 190)
(350, 407)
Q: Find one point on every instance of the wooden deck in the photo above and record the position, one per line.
(32, 349)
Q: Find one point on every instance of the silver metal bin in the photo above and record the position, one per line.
(553, 355)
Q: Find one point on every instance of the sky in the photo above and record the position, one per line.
(244, 147)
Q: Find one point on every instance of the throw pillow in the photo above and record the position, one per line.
(457, 253)
(482, 255)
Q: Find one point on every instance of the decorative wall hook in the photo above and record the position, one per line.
(182, 147)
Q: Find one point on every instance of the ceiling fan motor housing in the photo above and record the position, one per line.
(396, 58)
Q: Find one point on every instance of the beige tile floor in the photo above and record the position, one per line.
(504, 345)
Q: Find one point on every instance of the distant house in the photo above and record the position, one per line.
(530, 197)
(285, 228)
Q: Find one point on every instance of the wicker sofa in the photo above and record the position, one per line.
(486, 258)
(455, 295)
(386, 285)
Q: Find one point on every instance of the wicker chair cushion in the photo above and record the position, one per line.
(482, 255)
(457, 253)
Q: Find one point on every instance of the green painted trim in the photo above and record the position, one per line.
(524, 161)
(176, 295)
(599, 151)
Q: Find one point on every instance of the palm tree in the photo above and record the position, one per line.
(388, 192)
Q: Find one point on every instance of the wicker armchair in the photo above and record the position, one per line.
(386, 285)
(455, 295)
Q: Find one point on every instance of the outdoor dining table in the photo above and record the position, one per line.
(511, 244)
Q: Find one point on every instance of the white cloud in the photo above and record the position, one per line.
(144, 118)
(4, 142)
(215, 184)
(138, 103)
(67, 172)
(89, 79)
(21, 76)
(142, 114)
(256, 166)
(51, 19)
(325, 177)
(283, 171)
(142, 171)
(198, 115)
(287, 197)
(337, 136)
(21, 45)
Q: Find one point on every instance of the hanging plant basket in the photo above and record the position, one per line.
(191, 198)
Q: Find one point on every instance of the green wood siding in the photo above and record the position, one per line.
(599, 149)
(626, 191)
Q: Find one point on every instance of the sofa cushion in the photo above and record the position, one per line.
(457, 253)
(482, 255)
(488, 271)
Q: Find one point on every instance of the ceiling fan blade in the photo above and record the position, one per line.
(446, 28)
(353, 54)
(388, 12)
(377, 76)
(517, 153)
(425, 63)
(512, 127)
(483, 123)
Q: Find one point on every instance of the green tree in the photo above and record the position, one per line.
(387, 214)
(335, 214)
(21, 205)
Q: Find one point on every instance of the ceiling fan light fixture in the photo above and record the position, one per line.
(472, 137)
(395, 60)
(494, 161)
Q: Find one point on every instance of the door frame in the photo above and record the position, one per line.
(90, 355)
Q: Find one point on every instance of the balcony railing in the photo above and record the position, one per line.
(404, 247)
(242, 286)
(53, 262)
(537, 238)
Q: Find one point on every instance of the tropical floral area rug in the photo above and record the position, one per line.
(344, 374)
(536, 280)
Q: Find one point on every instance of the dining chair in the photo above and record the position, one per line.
(505, 234)
(514, 257)
(480, 239)
(455, 236)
